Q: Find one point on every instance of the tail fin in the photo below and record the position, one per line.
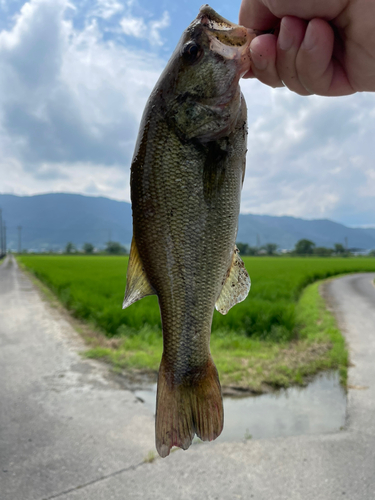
(192, 407)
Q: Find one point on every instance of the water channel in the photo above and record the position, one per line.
(320, 407)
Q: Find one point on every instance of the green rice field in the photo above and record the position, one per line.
(92, 288)
(279, 335)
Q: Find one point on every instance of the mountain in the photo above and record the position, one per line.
(286, 231)
(49, 221)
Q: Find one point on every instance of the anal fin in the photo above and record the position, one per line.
(137, 283)
(236, 285)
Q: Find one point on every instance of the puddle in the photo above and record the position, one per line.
(318, 408)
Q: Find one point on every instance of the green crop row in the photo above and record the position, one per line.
(92, 288)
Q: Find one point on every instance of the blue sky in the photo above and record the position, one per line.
(76, 74)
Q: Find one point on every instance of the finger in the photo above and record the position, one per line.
(326, 9)
(318, 72)
(263, 59)
(254, 14)
(292, 32)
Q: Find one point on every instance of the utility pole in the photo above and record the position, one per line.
(346, 243)
(19, 239)
(258, 241)
(5, 237)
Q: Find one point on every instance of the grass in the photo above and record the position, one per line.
(92, 288)
(281, 334)
(248, 363)
(151, 457)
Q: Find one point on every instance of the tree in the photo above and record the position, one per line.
(270, 248)
(115, 248)
(243, 248)
(70, 248)
(304, 247)
(372, 253)
(88, 248)
(323, 251)
(252, 251)
(339, 248)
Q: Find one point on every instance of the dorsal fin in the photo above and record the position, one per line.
(236, 285)
(137, 284)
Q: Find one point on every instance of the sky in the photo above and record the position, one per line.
(74, 79)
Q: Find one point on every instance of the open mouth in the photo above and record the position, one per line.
(223, 30)
(227, 39)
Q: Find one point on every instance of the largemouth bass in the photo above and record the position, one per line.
(186, 179)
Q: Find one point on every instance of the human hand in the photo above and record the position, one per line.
(324, 47)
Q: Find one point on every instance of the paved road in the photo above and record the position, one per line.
(70, 431)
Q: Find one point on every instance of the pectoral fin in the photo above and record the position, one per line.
(137, 284)
(236, 285)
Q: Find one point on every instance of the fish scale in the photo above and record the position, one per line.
(186, 180)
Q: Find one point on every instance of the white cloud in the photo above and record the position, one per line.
(156, 26)
(139, 28)
(85, 178)
(71, 98)
(107, 8)
(134, 26)
(309, 157)
(68, 99)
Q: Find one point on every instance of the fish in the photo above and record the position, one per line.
(186, 179)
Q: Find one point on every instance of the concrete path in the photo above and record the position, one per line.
(68, 430)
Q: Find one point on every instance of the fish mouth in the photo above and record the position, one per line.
(228, 39)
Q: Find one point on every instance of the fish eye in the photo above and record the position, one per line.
(191, 52)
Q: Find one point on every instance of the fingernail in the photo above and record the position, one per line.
(258, 60)
(285, 39)
(310, 40)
